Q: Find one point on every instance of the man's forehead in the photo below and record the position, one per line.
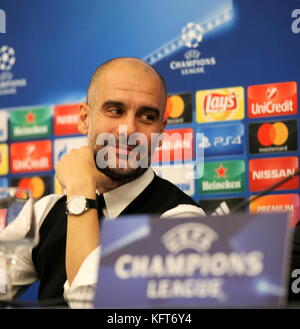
(126, 73)
(130, 69)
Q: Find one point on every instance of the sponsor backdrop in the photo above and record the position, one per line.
(232, 70)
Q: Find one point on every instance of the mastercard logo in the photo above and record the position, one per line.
(272, 134)
(175, 107)
(35, 184)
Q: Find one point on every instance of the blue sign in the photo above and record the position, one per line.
(220, 140)
(220, 261)
(3, 182)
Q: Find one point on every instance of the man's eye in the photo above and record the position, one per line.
(115, 111)
(148, 117)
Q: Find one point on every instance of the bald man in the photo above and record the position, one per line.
(123, 92)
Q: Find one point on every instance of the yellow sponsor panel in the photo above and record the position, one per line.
(57, 187)
(220, 104)
(3, 159)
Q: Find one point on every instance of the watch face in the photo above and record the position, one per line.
(76, 205)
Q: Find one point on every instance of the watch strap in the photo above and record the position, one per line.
(91, 204)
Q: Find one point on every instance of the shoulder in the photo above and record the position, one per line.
(184, 211)
(165, 188)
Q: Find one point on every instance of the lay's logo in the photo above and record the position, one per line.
(220, 104)
(216, 103)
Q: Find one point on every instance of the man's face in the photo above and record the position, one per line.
(130, 97)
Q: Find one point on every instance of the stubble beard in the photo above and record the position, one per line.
(119, 174)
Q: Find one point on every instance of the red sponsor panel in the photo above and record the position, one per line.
(276, 99)
(2, 218)
(176, 145)
(65, 119)
(263, 173)
(30, 156)
(288, 203)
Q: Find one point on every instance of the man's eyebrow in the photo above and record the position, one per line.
(113, 103)
(154, 110)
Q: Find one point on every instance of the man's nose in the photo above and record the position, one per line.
(130, 124)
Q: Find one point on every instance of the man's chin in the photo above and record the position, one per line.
(123, 175)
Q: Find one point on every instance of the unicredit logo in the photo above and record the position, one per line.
(270, 108)
(215, 102)
(272, 99)
(31, 164)
(31, 156)
(272, 92)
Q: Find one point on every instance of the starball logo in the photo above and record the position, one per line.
(193, 63)
(9, 85)
(7, 58)
(196, 236)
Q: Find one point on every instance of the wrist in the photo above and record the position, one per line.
(88, 191)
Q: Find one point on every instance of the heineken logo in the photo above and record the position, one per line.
(30, 117)
(221, 171)
(30, 123)
(223, 177)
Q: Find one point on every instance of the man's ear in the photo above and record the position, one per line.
(83, 118)
(163, 126)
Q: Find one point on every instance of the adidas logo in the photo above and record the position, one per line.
(222, 210)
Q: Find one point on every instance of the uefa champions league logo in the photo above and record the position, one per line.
(192, 35)
(7, 58)
(9, 85)
(196, 236)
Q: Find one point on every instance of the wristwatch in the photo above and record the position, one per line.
(77, 205)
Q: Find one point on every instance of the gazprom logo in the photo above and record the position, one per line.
(196, 236)
(2, 21)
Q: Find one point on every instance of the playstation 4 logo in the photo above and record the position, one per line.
(2, 21)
